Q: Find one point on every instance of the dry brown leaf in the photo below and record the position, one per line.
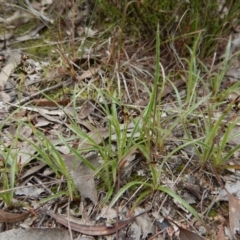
(97, 230)
(185, 234)
(13, 60)
(6, 217)
(234, 214)
(145, 223)
(48, 103)
(90, 32)
(82, 175)
(41, 122)
(45, 114)
(33, 170)
(86, 110)
(4, 97)
(26, 132)
(63, 149)
(4, 74)
(220, 235)
(97, 136)
(232, 188)
(89, 73)
(24, 154)
(29, 191)
(234, 206)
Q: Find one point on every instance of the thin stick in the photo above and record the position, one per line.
(29, 98)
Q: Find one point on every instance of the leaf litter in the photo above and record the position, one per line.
(54, 119)
(83, 176)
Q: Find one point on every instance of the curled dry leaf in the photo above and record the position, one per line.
(98, 230)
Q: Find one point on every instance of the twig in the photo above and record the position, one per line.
(29, 98)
